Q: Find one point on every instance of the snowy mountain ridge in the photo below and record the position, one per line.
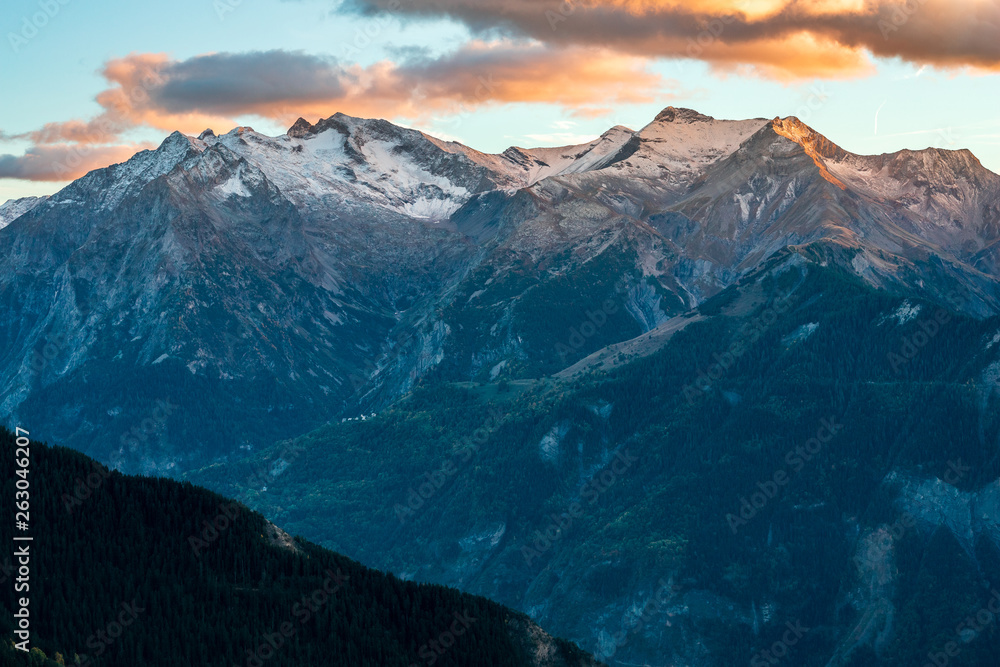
(343, 261)
(343, 160)
(15, 208)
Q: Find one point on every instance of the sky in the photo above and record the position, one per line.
(87, 83)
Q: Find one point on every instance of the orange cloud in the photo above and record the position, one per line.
(64, 162)
(768, 35)
(194, 92)
(149, 90)
(790, 58)
(584, 80)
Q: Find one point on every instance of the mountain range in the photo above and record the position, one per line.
(433, 360)
(324, 272)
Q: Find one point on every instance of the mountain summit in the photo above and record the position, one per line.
(675, 115)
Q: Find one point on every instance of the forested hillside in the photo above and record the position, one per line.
(142, 572)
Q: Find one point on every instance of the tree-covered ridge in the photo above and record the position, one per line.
(140, 571)
(572, 499)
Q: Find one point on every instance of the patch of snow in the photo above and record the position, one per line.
(602, 409)
(234, 187)
(145, 166)
(676, 149)
(491, 537)
(744, 203)
(577, 159)
(356, 168)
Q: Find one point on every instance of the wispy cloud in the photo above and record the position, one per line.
(877, 112)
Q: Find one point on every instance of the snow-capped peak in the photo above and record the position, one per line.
(12, 209)
(357, 162)
(680, 142)
(540, 163)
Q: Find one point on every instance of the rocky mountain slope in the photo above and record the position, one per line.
(261, 286)
(15, 208)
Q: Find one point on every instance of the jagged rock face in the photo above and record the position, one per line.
(331, 268)
(15, 208)
(187, 275)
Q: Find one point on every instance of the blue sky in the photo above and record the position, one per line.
(871, 101)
